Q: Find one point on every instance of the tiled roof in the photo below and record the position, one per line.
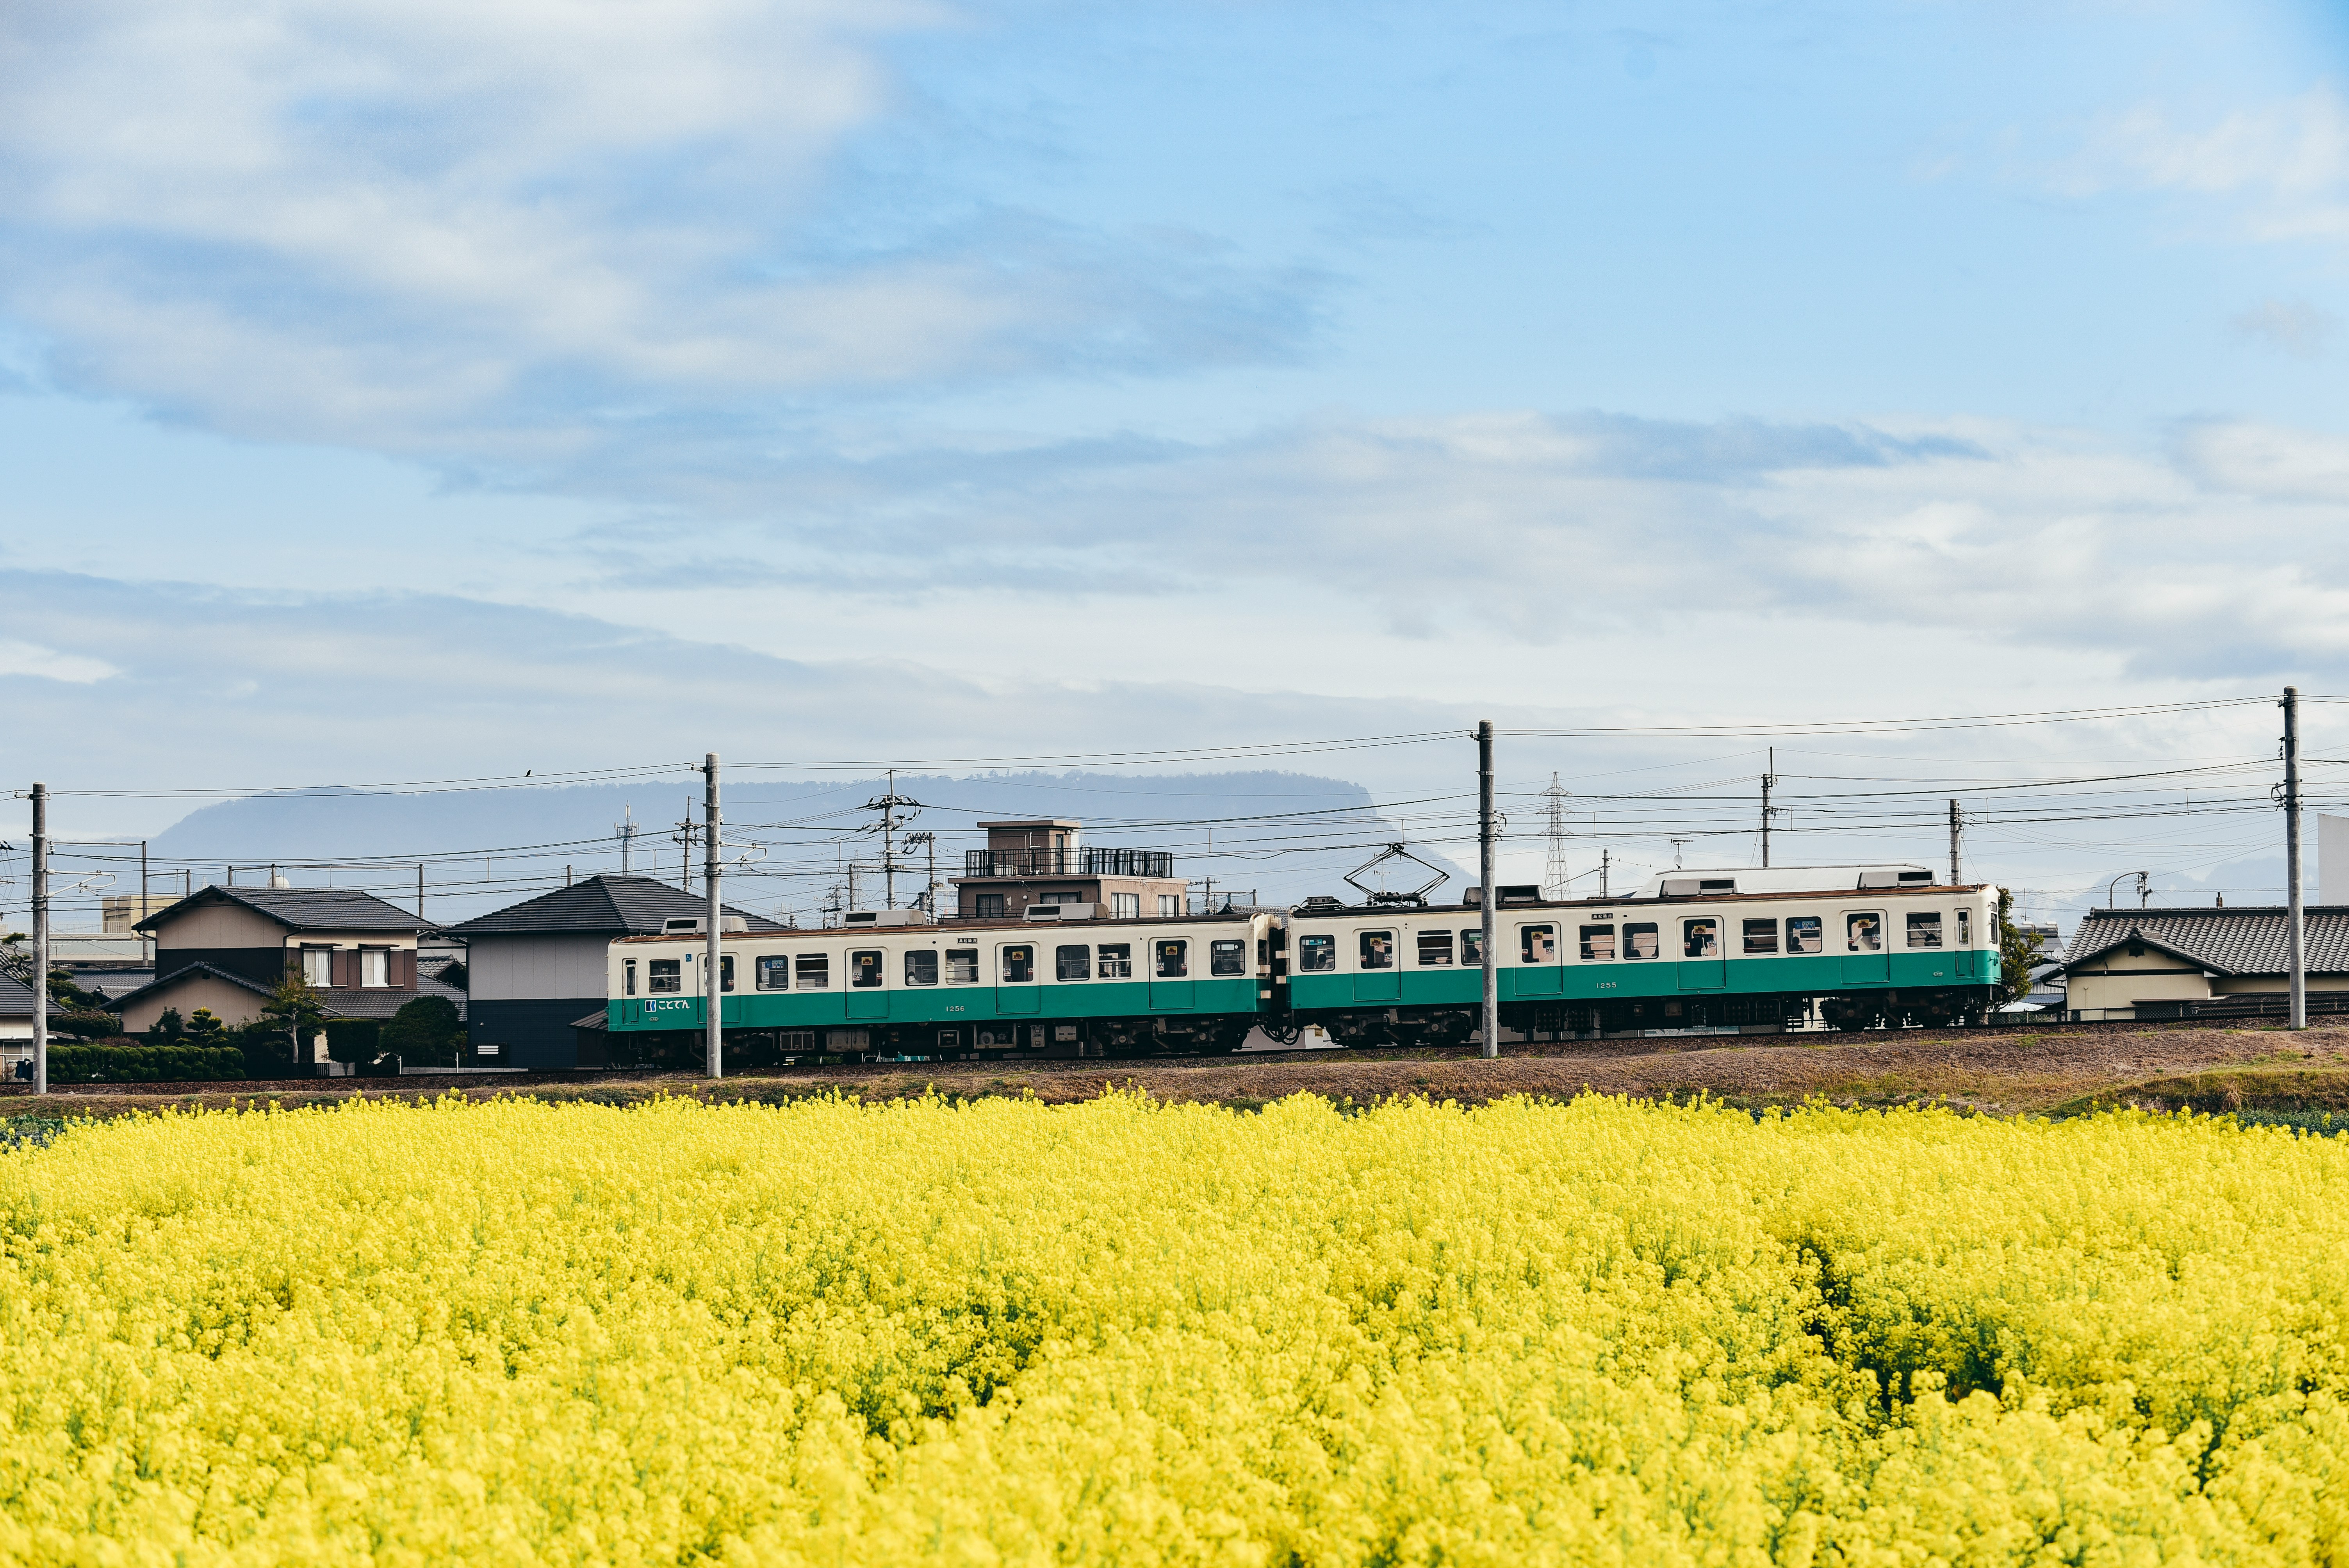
(343, 1002)
(2232, 941)
(602, 905)
(300, 908)
(16, 998)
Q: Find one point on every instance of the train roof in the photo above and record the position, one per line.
(1625, 901)
(828, 932)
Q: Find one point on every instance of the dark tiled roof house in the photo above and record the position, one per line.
(2172, 962)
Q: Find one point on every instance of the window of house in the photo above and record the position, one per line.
(726, 972)
(865, 968)
(1058, 898)
(318, 965)
(775, 972)
(989, 907)
(813, 971)
(1863, 933)
(1170, 907)
(921, 966)
(1116, 960)
(1472, 947)
(1434, 949)
(1640, 940)
(1537, 943)
(1804, 935)
(1227, 957)
(1173, 960)
(1376, 949)
(1018, 965)
(1317, 954)
(628, 977)
(1761, 936)
(1965, 928)
(374, 965)
(1125, 906)
(1924, 928)
(1599, 943)
(962, 965)
(666, 974)
(1701, 938)
(1074, 962)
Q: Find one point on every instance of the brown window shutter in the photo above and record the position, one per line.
(345, 960)
(406, 978)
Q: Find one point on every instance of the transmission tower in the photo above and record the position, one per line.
(1555, 879)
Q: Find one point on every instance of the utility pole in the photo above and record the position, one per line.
(713, 977)
(419, 890)
(887, 805)
(1957, 823)
(627, 827)
(40, 939)
(1488, 895)
(1769, 783)
(142, 885)
(1556, 879)
(2294, 936)
(928, 899)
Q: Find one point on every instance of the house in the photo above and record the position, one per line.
(16, 1024)
(532, 968)
(2202, 963)
(227, 948)
(1039, 860)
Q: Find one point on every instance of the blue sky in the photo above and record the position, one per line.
(1006, 372)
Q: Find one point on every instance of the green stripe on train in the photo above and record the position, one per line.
(944, 1005)
(1630, 978)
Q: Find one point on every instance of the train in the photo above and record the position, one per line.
(1727, 952)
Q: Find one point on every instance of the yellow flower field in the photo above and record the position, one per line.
(1000, 1332)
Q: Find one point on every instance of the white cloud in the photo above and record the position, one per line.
(46, 663)
(2285, 165)
(2294, 326)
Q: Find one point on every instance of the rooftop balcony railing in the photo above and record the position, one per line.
(1068, 863)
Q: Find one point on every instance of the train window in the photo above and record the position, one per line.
(666, 974)
(1072, 963)
(1378, 949)
(1965, 928)
(1761, 936)
(1863, 933)
(1537, 943)
(962, 965)
(1434, 949)
(813, 971)
(865, 968)
(1599, 943)
(1228, 957)
(1701, 938)
(1116, 961)
(1019, 965)
(1803, 936)
(775, 972)
(1472, 948)
(921, 966)
(1317, 954)
(1640, 940)
(1924, 928)
(726, 972)
(1173, 960)
(628, 977)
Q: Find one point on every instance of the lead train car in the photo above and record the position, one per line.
(1754, 964)
(1092, 987)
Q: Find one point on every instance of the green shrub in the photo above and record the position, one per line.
(425, 1033)
(142, 1064)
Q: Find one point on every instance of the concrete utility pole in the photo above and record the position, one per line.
(1769, 783)
(40, 939)
(2296, 946)
(1957, 821)
(1490, 895)
(713, 978)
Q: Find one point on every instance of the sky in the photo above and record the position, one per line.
(391, 391)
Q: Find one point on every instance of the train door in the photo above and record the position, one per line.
(1378, 959)
(1170, 974)
(1542, 971)
(1016, 986)
(1702, 967)
(868, 996)
(1866, 952)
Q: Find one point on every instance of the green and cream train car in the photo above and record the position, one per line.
(1064, 988)
(1713, 951)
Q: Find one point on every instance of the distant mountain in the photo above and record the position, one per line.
(1279, 835)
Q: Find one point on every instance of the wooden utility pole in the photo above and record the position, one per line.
(1490, 895)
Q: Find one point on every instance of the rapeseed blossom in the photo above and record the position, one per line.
(1132, 1333)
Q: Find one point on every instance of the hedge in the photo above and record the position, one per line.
(142, 1064)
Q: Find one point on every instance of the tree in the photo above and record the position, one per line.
(294, 1012)
(424, 1033)
(204, 1028)
(168, 1023)
(2018, 952)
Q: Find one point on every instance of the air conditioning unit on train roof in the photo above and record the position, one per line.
(1063, 912)
(887, 917)
(692, 924)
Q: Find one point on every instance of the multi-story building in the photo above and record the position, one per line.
(1040, 860)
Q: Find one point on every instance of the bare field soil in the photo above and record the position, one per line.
(2258, 1071)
